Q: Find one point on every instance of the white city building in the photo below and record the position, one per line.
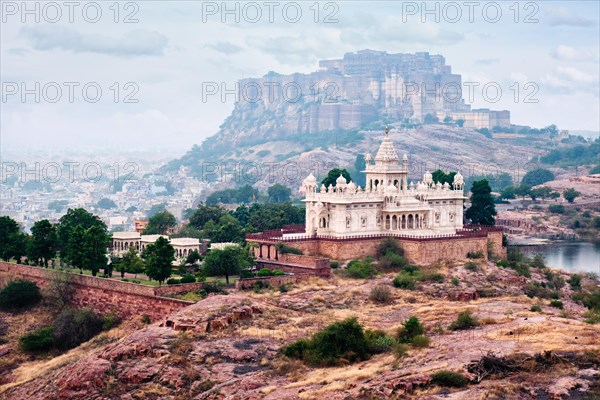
(389, 204)
(122, 241)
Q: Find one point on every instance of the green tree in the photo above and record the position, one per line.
(360, 165)
(571, 194)
(229, 261)
(523, 190)
(12, 241)
(442, 177)
(106, 204)
(43, 243)
(279, 193)
(131, 263)
(537, 177)
(67, 240)
(205, 213)
(508, 192)
(273, 216)
(160, 223)
(159, 257)
(89, 248)
(482, 210)
(333, 175)
(541, 192)
(460, 123)
(193, 257)
(447, 120)
(430, 119)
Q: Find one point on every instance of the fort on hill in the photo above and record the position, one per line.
(346, 221)
(361, 87)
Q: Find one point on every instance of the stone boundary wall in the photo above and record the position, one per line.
(178, 288)
(105, 295)
(308, 261)
(416, 251)
(295, 269)
(248, 283)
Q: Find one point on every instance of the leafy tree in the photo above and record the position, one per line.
(360, 164)
(541, 192)
(242, 213)
(244, 194)
(460, 123)
(159, 256)
(205, 213)
(43, 243)
(106, 204)
(273, 216)
(89, 248)
(523, 190)
(131, 263)
(571, 194)
(447, 120)
(229, 261)
(442, 177)
(482, 210)
(228, 229)
(160, 223)
(508, 192)
(537, 177)
(193, 257)
(279, 193)
(68, 240)
(12, 241)
(333, 175)
(73, 327)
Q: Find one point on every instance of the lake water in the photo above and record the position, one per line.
(572, 257)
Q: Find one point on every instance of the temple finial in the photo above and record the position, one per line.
(386, 131)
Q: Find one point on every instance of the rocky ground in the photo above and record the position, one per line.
(228, 346)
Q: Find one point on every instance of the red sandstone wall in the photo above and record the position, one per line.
(417, 251)
(247, 283)
(106, 295)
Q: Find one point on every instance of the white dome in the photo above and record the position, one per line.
(427, 178)
(341, 180)
(310, 179)
(351, 185)
(458, 179)
(421, 186)
(392, 189)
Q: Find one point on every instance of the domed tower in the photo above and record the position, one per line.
(387, 171)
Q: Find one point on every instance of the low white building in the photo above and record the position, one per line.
(389, 204)
(122, 241)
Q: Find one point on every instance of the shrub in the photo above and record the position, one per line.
(538, 261)
(378, 341)
(341, 340)
(391, 261)
(535, 308)
(109, 321)
(539, 290)
(264, 272)
(278, 272)
(409, 329)
(173, 281)
(405, 281)
(522, 269)
(360, 270)
(475, 254)
(212, 287)
(246, 273)
(145, 319)
(502, 263)
(555, 280)
(19, 294)
(471, 266)
(557, 304)
(556, 208)
(334, 264)
(187, 279)
(38, 341)
(73, 327)
(283, 248)
(400, 350)
(389, 246)
(420, 341)
(592, 317)
(449, 379)
(411, 269)
(575, 282)
(465, 320)
(381, 294)
(432, 277)
(283, 288)
(455, 281)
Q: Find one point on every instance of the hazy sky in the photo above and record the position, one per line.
(163, 59)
